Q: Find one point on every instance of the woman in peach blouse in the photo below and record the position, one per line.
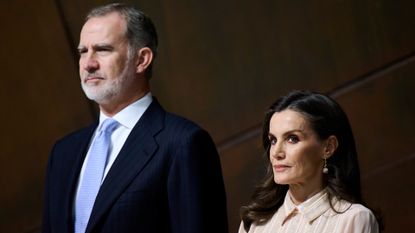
(313, 180)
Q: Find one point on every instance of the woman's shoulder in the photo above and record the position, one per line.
(354, 209)
(357, 217)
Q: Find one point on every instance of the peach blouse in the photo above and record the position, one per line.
(316, 216)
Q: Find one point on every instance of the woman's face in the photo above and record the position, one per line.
(296, 152)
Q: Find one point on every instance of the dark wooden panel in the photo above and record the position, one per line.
(382, 114)
(230, 60)
(391, 191)
(243, 167)
(41, 100)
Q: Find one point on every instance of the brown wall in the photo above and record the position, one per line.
(221, 63)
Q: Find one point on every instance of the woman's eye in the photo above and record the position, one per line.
(292, 139)
(272, 141)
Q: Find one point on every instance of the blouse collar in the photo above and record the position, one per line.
(311, 209)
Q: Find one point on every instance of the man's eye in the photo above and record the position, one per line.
(82, 51)
(292, 139)
(104, 49)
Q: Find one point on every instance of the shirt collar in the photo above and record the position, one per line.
(311, 209)
(130, 115)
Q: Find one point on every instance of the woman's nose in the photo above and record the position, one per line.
(277, 151)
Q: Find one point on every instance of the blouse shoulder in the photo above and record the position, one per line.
(359, 219)
(241, 228)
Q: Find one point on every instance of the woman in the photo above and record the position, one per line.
(313, 181)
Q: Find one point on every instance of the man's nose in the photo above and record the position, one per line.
(90, 63)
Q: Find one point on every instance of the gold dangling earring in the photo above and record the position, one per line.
(325, 169)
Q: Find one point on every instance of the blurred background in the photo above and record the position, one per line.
(221, 63)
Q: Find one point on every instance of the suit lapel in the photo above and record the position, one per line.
(138, 149)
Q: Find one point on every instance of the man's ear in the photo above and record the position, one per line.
(144, 59)
(331, 145)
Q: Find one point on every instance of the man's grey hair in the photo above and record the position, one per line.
(140, 33)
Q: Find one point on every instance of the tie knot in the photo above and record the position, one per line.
(109, 125)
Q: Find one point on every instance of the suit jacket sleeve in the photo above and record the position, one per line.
(196, 191)
(46, 227)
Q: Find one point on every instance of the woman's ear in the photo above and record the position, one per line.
(331, 146)
(144, 59)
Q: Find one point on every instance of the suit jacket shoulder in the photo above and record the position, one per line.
(166, 178)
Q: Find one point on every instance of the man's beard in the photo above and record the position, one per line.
(108, 89)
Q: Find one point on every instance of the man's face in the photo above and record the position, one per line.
(105, 67)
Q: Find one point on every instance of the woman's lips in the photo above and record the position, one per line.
(280, 167)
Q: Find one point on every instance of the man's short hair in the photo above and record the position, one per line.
(140, 33)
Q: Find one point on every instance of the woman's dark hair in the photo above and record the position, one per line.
(326, 118)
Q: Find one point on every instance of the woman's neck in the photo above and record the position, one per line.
(300, 194)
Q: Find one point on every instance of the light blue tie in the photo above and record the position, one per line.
(93, 173)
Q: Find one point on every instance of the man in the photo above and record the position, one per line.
(160, 172)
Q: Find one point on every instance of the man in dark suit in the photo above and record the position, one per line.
(162, 172)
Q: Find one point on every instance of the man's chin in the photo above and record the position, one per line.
(99, 99)
(91, 93)
(99, 95)
(94, 96)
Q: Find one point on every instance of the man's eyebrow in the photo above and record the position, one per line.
(97, 47)
(102, 46)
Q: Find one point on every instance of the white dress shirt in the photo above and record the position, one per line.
(127, 119)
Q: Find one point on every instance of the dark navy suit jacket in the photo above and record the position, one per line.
(166, 178)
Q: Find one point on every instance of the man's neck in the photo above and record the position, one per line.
(111, 109)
